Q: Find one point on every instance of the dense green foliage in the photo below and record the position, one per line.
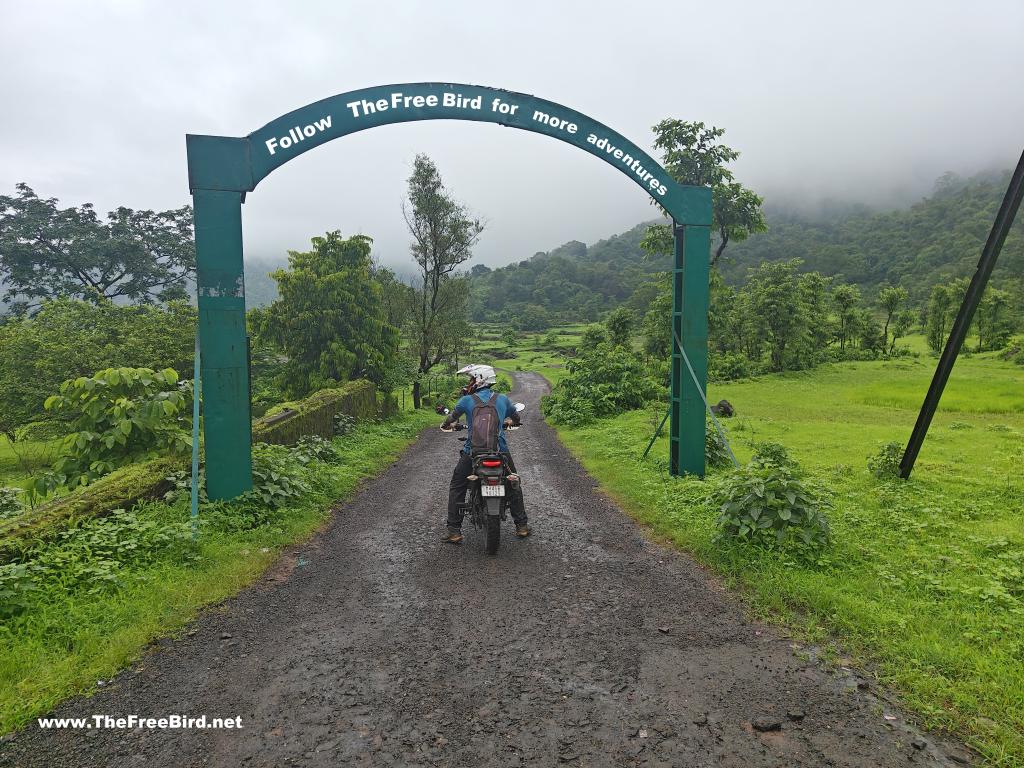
(118, 416)
(48, 252)
(67, 339)
(329, 320)
(933, 242)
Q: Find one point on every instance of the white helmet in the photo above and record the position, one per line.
(481, 375)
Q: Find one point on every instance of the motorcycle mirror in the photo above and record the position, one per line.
(520, 407)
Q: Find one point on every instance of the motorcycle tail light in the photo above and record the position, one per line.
(491, 462)
(493, 481)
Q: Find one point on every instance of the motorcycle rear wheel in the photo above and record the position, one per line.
(493, 534)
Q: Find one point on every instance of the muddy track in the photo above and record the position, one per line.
(584, 645)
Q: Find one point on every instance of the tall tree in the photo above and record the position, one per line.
(330, 319)
(777, 301)
(693, 154)
(48, 252)
(891, 298)
(443, 236)
(991, 321)
(847, 301)
(937, 314)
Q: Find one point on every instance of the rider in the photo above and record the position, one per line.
(481, 379)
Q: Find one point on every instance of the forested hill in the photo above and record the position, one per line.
(573, 282)
(936, 239)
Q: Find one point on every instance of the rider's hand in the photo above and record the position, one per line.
(446, 427)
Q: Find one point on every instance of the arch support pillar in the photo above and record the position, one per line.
(690, 327)
(227, 426)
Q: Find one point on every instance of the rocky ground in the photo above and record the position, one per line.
(585, 645)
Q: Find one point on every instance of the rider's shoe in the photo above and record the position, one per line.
(522, 531)
(452, 537)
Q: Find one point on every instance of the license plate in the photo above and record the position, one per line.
(492, 490)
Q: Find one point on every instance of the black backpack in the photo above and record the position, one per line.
(484, 436)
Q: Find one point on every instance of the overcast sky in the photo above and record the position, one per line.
(864, 101)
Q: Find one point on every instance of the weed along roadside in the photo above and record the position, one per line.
(90, 579)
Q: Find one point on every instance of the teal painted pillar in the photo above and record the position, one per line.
(690, 326)
(227, 424)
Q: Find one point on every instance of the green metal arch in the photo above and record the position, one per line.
(239, 164)
(222, 169)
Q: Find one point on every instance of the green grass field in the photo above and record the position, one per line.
(16, 461)
(924, 584)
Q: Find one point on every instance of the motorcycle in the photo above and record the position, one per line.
(489, 492)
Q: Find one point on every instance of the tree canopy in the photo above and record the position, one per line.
(330, 318)
(48, 252)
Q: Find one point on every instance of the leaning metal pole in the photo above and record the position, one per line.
(989, 254)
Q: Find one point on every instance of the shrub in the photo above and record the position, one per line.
(885, 463)
(16, 588)
(768, 452)
(314, 448)
(764, 505)
(273, 482)
(10, 503)
(121, 415)
(344, 423)
(601, 382)
(568, 411)
(70, 338)
(728, 366)
(715, 450)
(89, 557)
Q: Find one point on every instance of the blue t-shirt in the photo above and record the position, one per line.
(503, 406)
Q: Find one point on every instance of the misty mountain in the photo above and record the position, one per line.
(931, 241)
(936, 239)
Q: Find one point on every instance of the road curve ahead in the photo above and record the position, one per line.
(584, 645)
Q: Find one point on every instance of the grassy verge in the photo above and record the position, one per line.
(28, 456)
(925, 581)
(123, 587)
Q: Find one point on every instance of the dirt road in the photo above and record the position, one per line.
(585, 645)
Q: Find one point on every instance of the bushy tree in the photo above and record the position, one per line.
(620, 326)
(602, 381)
(992, 321)
(120, 415)
(943, 304)
(692, 154)
(656, 325)
(330, 318)
(47, 252)
(593, 335)
(847, 304)
(775, 298)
